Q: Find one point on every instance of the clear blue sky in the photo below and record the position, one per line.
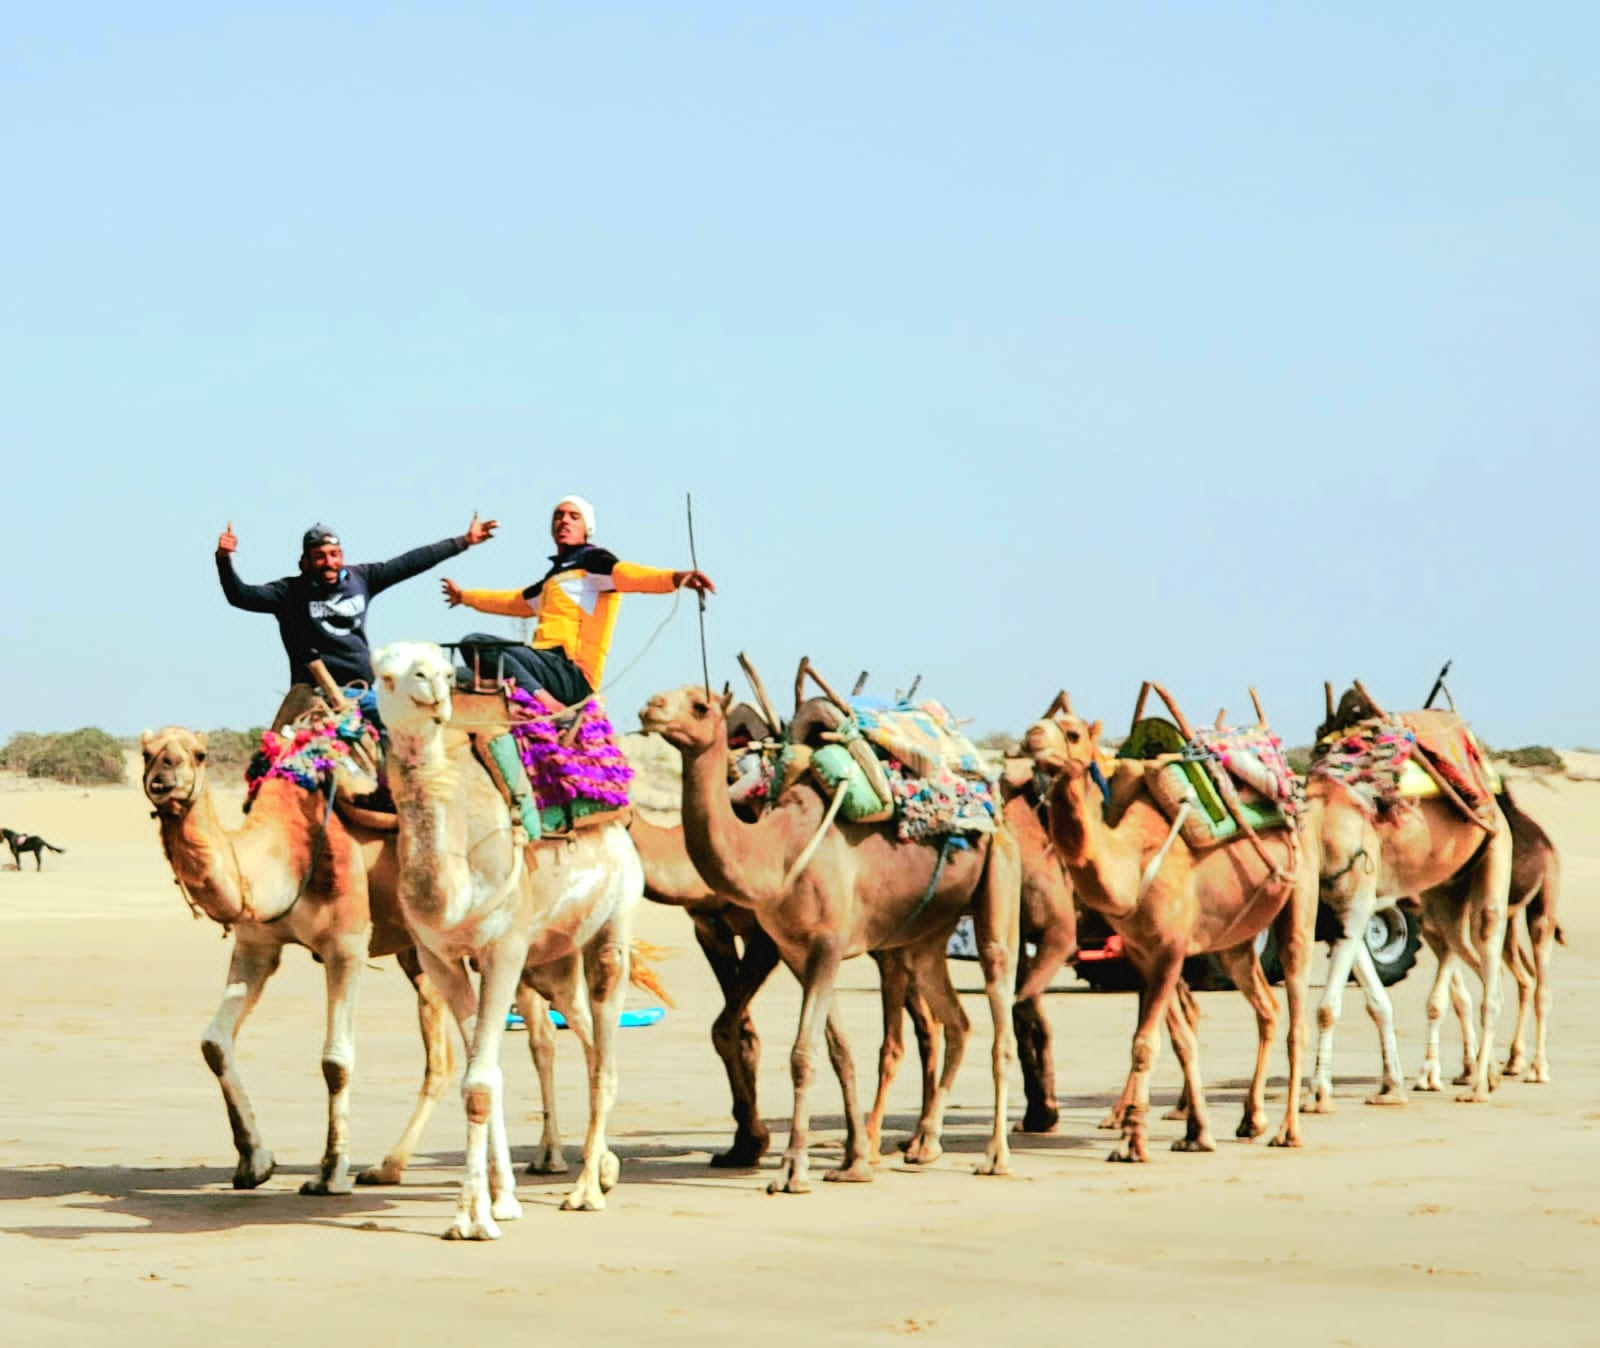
(1019, 345)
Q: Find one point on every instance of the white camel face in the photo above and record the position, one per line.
(1053, 742)
(173, 761)
(413, 682)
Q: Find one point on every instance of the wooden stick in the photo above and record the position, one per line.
(1327, 697)
(1261, 716)
(1371, 702)
(1177, 714)
(1138, 707)
(806, 667)
(1447, 791)
(861, 682)
(765, 703)
(331, 692)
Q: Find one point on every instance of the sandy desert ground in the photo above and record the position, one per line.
(1442, 1221)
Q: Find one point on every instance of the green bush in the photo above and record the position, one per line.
(1299, 760)
(1532, 756)
(230, 751)
(80, 757)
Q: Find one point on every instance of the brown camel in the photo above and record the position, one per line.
(292, 875)
(860, 888)
(1378, 845)
(1531, 909)
(1167, 902)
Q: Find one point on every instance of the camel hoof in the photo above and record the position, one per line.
(745, 1153)
(1044, 1120)
(610, 1171)
(1516, 1065)
(584, 1199)
(993, 1166)
(390, 1172)
(547, 1163)
(1540, 1076)
(1462, 1078)
(1389, 1095)
(859, 1172)
(464, 1229)
(506, 1208)
(1285, 1139)
(1129, 1157)
(1250, 1127)
(1428, 1080)
(1194, 1144)
(252, 1173)
(789, 1186)
(1178, 1113)
(321, 1188)
(1473, 1097)
(923, 1150)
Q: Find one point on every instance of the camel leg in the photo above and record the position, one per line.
(894, 990)
(1542, 936)
(484, 1198)
(1340, 963)
(342, 963)
(605, 969)
(431, 1017)
(249, 968)
(733, 1033)
(1242, 966)
(1430, 1077)
(1380, 1007)
(933, 974)
(1296, 930)
(1461, 1005)
(1041, 1113)
(1480, 930)
(997, 920)
(1521, 967)
(1183, 1004)
(1186, 1048)
(857, 1167)
(532, 1007)
(1156, 987)
(817, 978)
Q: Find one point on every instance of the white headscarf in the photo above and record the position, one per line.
(584, 509)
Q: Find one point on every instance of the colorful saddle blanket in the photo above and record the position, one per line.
(574, 763)
(319, 751)
(1378, 759)
(904, 762)
(1223, 775)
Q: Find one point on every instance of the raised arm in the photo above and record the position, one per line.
(381, 575)
(507, 603)
(252, 598)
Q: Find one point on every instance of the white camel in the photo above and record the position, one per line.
(560, 920)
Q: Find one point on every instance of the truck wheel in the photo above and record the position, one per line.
(1393, 936)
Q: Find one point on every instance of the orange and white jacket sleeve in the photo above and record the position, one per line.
(507, 603)
(631, 578)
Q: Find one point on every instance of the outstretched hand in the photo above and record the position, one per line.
(452, 592)
(693, 580)
(226, 540)
(480, 531)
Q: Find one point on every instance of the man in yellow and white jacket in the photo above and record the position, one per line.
(574, 606)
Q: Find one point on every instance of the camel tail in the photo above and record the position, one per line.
(641, 954)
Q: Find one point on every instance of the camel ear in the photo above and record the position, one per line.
(145, 738)
(387, 680)
(1094, 733)
(201, 741)
(727, 697)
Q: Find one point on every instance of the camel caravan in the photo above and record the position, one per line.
(457, 812)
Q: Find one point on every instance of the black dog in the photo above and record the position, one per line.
(27, 842)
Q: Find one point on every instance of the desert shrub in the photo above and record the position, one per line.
(80, 757)
(231, 750)
(1299, 759)
(998, 742)
(1532, 756)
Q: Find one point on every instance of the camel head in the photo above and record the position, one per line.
(174, 767)
(1060, 739)
(689, 718)
(413, 682)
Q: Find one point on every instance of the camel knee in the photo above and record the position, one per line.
(800, 1068)
(727, 1032)
(1327, 1017)
(215, 1052)
(1143, 1055)
(995, 960)
(479, 1101)
(336, 1072)
(606, 973)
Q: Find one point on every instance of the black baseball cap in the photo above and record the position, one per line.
(316, 536)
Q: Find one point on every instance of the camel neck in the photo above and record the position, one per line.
(739, 861)
(202, 859)
(1104, 865)
(431, 847)
(670, 875)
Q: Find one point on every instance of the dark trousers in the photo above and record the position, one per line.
(547, 668)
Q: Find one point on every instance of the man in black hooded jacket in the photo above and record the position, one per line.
(322, 611)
